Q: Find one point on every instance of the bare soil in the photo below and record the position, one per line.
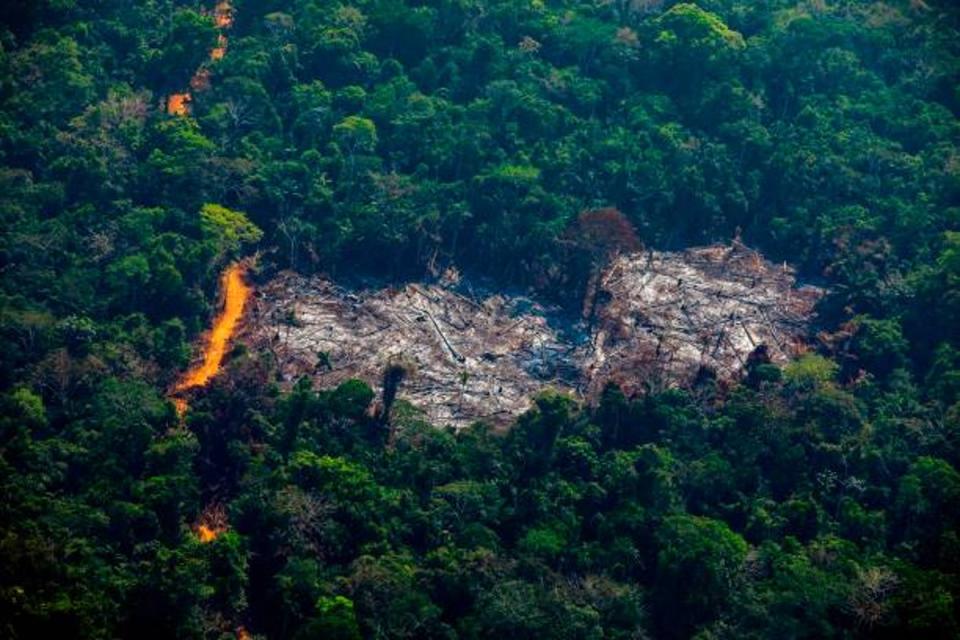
(661, 319)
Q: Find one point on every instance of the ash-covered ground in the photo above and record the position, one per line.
(660, 320)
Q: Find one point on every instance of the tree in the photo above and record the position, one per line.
(698, 565)
(691, 45)
(188, 42)
(355, 135)
(601, 234)
(927, 504)
(227, 229)
(335, 619)
(880, 345)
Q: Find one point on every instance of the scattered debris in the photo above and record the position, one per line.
(469, 360)
(661, 320)
(670, 316)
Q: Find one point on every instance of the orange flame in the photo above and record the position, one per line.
(220, 50)
(178, 104)
(206, 534)
(235, 290)
(180, 404)
(212, 522)
(235, 295)
(223, 15)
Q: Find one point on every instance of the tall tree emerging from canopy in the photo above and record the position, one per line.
(227, 229)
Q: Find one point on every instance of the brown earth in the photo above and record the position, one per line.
(661, 320)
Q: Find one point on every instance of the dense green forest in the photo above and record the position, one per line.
(820, 499)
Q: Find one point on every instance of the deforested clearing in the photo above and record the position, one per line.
(661, 319)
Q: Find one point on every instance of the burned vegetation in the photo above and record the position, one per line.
(659, 319)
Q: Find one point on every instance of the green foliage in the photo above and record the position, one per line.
(811, 371)
(698, 565)
(189, 37)
(228, 229)
(387, 139)
(356, 134)
(28, 406)
(880, 344)
(335, 619)
(693, 41)
(544, 542)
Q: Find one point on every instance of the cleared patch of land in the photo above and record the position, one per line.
(666, 317)
(661, 319)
